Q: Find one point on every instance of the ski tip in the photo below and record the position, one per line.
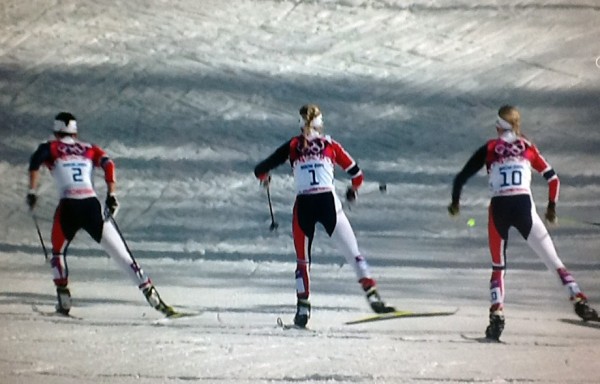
(54, 313)
(481, 339)
(281, 324)
(178, 315)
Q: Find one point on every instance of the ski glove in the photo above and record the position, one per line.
(351, 194)
(265, 180)
(453, 209)
(112, 204)
(31, 199)
(551, 212)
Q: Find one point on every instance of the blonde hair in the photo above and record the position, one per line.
(512, 116)
(308, 113)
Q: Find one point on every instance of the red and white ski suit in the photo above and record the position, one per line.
(313, 161)
(71, 163)
(508, 161)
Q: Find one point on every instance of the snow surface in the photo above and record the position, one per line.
(188, 96)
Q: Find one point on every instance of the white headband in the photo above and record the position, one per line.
(503, 124)
(317, 122)
(60, 126)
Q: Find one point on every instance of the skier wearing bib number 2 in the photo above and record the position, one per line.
(508, 160)
(313, 156)
(71, 163)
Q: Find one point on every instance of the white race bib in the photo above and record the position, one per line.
(313, 175)
(511, 177)
(73, 177)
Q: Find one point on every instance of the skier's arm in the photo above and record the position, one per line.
(38, 158)
(542, 166)
(347, 163)
(473, 165)
(281, 154)
(109, 174)
(41, 154)
(102, 160)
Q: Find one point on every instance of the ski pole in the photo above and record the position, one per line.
(109, 217)
(576, 221)
(37, 227)
(274, 224)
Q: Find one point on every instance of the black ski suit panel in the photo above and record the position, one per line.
(41, 154)
(76, 214)
(512, 211)
(473, 165)
(277, 158)
(313, 209)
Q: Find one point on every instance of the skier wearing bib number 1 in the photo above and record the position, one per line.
(508, 160)
(71, 163)
(313, 156)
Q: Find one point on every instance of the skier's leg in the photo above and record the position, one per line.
(539, 240)
(497, 238)
(58, 262)
(338, 226)
(114, 245)
(303, 229)
(107, 235)
(497, 245)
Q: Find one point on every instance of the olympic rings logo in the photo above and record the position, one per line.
(71, 149)
(315, 147)
(510, 149)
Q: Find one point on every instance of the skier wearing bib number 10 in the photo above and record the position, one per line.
(508, 160)
(71, 163)
(313, 156)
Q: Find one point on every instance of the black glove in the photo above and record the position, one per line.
(112, 204)
(351, 194)
(31, 199)
(453, 209)
(551, 212)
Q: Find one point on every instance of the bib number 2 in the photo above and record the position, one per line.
(77, 174)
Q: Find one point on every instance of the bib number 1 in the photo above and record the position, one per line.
(313, 177)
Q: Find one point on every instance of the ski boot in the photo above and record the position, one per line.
(494, 330)
(377, 305)
(156, 302)
(583, 310)
(64, 300)
(302, 313)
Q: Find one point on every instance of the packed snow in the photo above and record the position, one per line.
(187, 96)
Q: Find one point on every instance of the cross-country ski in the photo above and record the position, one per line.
(400, 315)
(322, 161)
(53, 313)
(286, 326)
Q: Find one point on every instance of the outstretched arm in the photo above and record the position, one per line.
(41, 154)
(473, 165)
(281, 154)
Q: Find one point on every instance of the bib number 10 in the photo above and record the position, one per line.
(514, 177)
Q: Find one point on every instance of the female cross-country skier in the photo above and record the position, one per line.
(71, 163)
(312, 157)
(508, 160)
